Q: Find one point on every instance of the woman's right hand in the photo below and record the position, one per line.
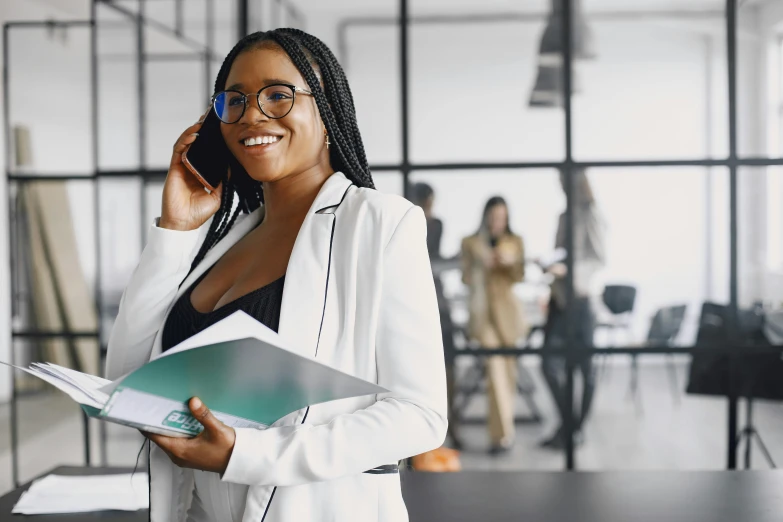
(186, 205)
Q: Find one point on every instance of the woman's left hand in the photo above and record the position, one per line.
(210, 450)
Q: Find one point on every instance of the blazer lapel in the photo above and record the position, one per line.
(306, 281)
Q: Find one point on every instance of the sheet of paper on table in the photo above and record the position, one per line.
(64, 494)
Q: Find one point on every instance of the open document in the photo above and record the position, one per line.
(238, 367)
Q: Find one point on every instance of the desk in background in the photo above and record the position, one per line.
(709, 496)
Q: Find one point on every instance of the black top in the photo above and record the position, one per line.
(184, 321)
(434, 233)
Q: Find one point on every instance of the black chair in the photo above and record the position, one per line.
(666, 325)
(620, 301)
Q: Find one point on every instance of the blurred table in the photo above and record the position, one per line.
(670, 496)
(710, 496)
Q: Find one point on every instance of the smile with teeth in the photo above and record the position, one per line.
(261, 140)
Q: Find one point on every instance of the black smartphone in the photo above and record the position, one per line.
(207, 157)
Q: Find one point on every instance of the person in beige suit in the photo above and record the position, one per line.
(492, 262)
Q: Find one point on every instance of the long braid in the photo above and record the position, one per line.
(336, 108)
(230, 223)
(217, 228)
(342, 87)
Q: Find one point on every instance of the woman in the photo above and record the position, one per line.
(338, 269)
(589, 257)
(493, 259)
(423, 195)
(441, 459)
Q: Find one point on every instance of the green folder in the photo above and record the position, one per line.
(238, 367)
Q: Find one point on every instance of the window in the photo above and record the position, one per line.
(774, 183)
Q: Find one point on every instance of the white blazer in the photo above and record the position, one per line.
(359, 296)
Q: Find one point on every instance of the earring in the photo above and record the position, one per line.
(327, 139)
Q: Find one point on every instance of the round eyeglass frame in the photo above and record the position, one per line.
(294, 90)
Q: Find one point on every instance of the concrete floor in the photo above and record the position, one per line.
(652, 433)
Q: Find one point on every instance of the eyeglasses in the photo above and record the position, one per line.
(275, 101)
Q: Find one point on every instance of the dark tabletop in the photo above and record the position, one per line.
(478, 496)
(710, 496)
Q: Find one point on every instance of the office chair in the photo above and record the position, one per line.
(620, 301)
(664, 328)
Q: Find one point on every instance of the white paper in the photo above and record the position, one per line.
(238, 325)
(64, 494)
(85, 380)
(74, 393)
(87, 384)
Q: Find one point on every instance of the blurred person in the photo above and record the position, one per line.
(589, 257)
(423, 195)
(311, 249)
(493, 260)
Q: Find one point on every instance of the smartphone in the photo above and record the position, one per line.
(207, 157)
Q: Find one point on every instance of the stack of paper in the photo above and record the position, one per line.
(81, 387)
(62, 494)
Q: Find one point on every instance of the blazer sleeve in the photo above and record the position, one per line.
(163, 265)
(409, 420)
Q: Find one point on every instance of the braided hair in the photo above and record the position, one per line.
(335, 105)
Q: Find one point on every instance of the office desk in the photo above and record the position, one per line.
(712, 496)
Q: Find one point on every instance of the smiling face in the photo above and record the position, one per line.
(273, 149)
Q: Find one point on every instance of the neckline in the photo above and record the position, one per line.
(231, 304)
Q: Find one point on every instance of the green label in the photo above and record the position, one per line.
(184, 421)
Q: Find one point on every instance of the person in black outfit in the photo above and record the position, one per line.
(424, 196)
(589, 257)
